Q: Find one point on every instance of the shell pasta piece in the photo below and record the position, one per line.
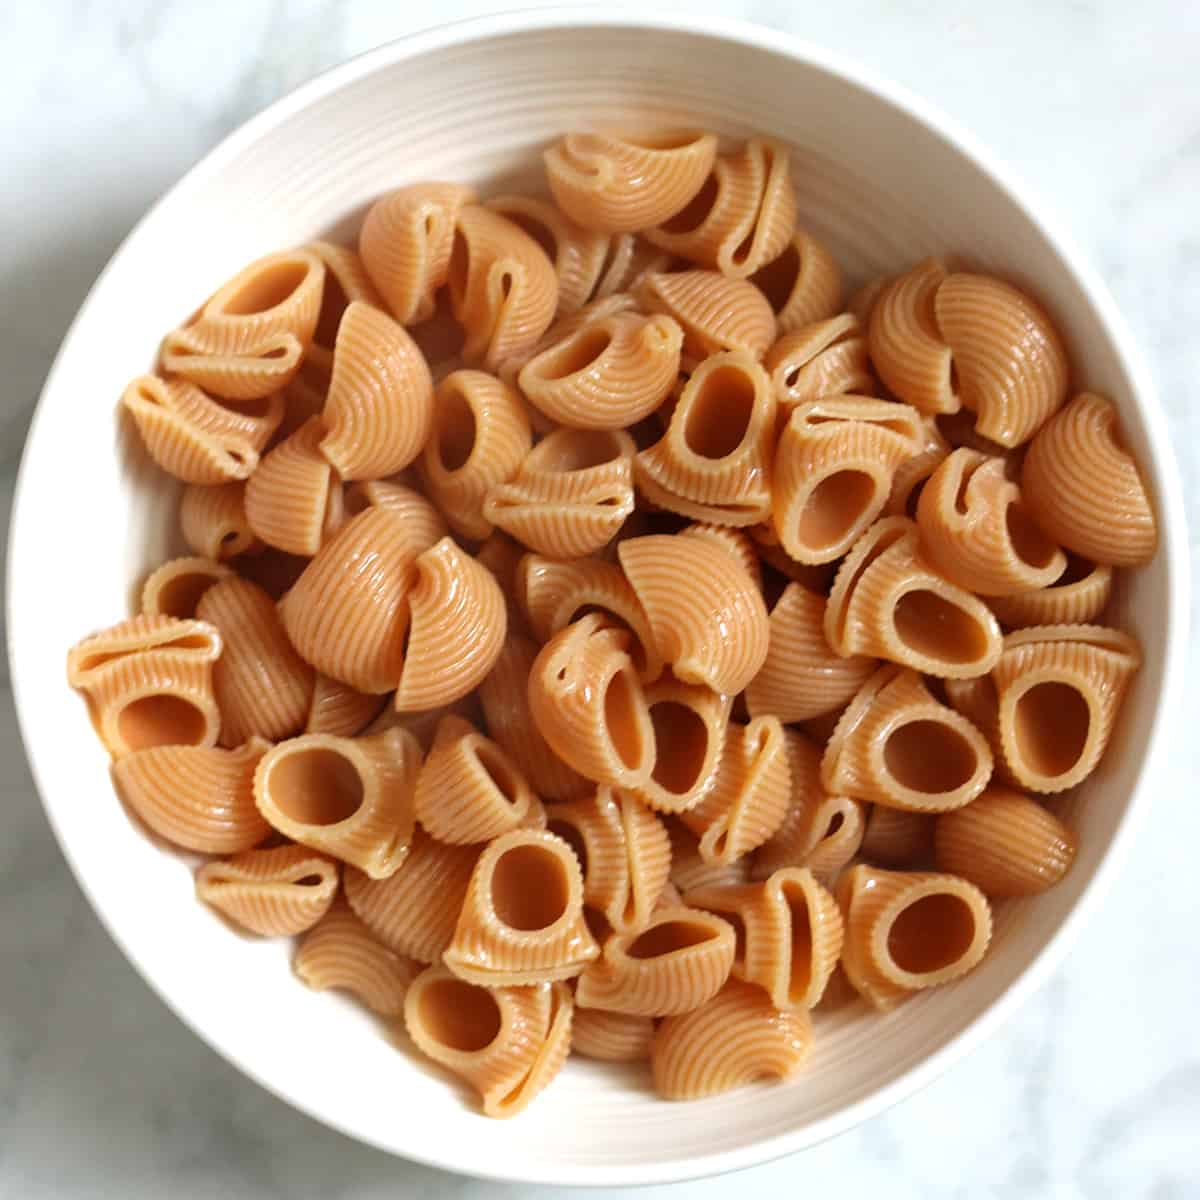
(338, 709)
(1079, 595)
(714, 312)
(175, 588)
(1084, 488)
(346, 282)
(350, 797)
(266, 369)
(909, 478)
(899, 839)
(675, 963)
(624, 183)
(522, 919)
(803, 284)
(340, 952)
(906, 931)
(198, 797)
(423, 523)
(826, 358)
(275, 892)
(689, 870)
(91, 658)
(738, 1037)
(213, 521)
(611, 1037)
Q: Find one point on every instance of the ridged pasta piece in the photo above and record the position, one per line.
(827, 358)
(611, 1037)
(213, 521)
(607, 374)
(899, 839)
(1059, 689)
(675, 963)
(91, 657)
(978, 532)
(887, 602)
(1079, 595)
(273, 570)
(623, 851)
(346, 282)
(348, 613)
(689, 870)
(193, 437)
(630, 258)
(349, 797)
(504, 695)
(1010, 362)
(714, 312)
(304, 396)
(737, 1038)
(197, 797)
(741, 218)
(570, 496)
(834, 468)
(750, 796)
(503, 288)
(897, 746)
(713, 463)
(424, 524)
(906, 931)
(803, 284)
(1084, 487)
(294, 500)
(706, 615)
(1005, 843)
(976, 700)
(379, 410)
(625, 183)
(275, 893)
(414, 911)
(801, 676)
(468, 790)
(587, 701)
(253, 374)
(522, 919)
(457, 628)
(502, 556)
(816, 577)
(338, 709)
(961, 429)
(738, 543)
(689, 723)
(175, 588)
(791, 934)
(262, 686)
(480, 437)
(909, 478)
(423, 725)
(578, 254)
(862, 303)
(405, 245)
(340, 952)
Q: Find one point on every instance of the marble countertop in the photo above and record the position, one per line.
(1093, 1090)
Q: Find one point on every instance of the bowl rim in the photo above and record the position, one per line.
(1173, 543)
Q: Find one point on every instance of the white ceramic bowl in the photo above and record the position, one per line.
(884, 180)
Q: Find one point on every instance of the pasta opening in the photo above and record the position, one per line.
(499, 772)
(316, 787)
(720, 414)
(583, 450)
(455, 429)
(576, 354)
(178, 597)
(573, 838)
(739, 933)
(266, 289)
(309, 880)
(668, 937)
(538, 230)
(694, 213)
(459, 270)
(160, 721)
(801, 940)
(459, 1015)
(1029, 542)
(681, 743)
(1077, 570)
(1051, 725)
(334, 303)
(529, 888)
(669, 139)
(98, 658)
(929, 757)
(931, 934)
(930, 625)
(834, 506)
(620, 718)
(777, 279)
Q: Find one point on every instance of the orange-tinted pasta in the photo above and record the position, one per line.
(338, 709)
(423, 523)
(275, 892)
(611, 1037)
(689, 870)
(1079, 595)
(714, 312)
(803, 284)
(738, 543)
(897, 838)
(908, 479)
(826, 358)
(346, 282)
(213, 521)
(175, 588)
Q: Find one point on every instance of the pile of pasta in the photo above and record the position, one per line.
(601, 636)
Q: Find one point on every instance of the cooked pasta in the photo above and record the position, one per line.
(826, 358)
(898, 746)
(713, 463)
(252, 374)
(675, 963)
(715, 313)
(423, 725)
(522, 919)
(862, 303)
(570, 496)
(706, 615)
(1084, 488)
(689, 870)
(263, 687)
(338, 709)
(803, 284)
(346, 282)
(197, 797)
(424, 524)
(625, 183)
(480, 437)
(340, 952)
(1079, 595)
(738, 543)
(611, 1037)
(92, 657)
(629, 260)
(897, 838)
(468, 790)
(175, 588)
(405, 243)
(978, 532)
(213, 521)
(906, 931)
(908, 479)
(349, 797)
(738, 1037)
(275, 892)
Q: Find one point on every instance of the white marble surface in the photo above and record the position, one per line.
(1092, 1091)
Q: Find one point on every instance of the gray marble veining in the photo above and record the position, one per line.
(1093, 1090)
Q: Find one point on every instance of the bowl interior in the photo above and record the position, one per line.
(93, 515)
